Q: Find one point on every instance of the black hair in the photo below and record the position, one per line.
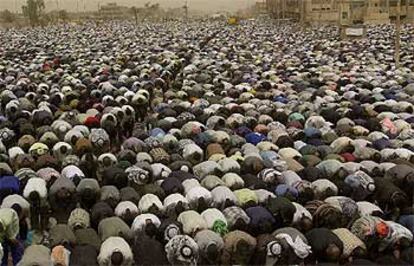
(306, 195)
(117, 258)
(284, 142)
(240, 224)
(151, 229)
(76, 180)
(153, 209)
(16, 207)
(128, 217)
(179, 208)
(34, 198)
(305, 224)
(212, 252)
(228, 203)
(333, 252)
(88, 197)
(242, 246)
(359, 253)
(202, 204)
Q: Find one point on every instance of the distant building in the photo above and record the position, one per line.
(113, 11)
(340, 11)
(363, 12)
(407, 10)
(260, 7)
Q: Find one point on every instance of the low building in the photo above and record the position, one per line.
(363, 12)
(260, 7)
(340, 11)
(113, 11)
(407, 10)
(321, 11)
(284, 9)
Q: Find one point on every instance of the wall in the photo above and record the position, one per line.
(316, 17)
(410, 14)
(327, 11)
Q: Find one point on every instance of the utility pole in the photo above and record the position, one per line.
(397, 35)
(388, 8)
(320, 12)
(340, 22)
(406, 10)
(302, 12)
(57, 11)
(186, 10)
(279, 6)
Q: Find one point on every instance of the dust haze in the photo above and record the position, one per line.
(207, 6)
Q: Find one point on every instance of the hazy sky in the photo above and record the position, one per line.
(71, 5)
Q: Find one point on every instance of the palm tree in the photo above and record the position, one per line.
(63, 15)
(134, 11)
(7, 16)
(33, 11)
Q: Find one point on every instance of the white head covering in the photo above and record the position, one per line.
(301, 249)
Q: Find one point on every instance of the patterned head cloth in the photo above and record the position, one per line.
(99, 138)
(347, 206)
(368, 226)
(182, 249)
(220, 227)
(349, 240)
(138, 175)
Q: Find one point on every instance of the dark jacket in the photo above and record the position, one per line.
(402, 175)
(172, 185)
(319, 239)
(114, 176)
(388, 195)
(62, 206)
(261, 220)
(100, 211)
(61, 234)
(129, 194)
(282, 210)
(148, 251)
(84, 255)
(88, 236)
(9, 185)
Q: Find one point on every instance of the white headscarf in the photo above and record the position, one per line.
(301, 249)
